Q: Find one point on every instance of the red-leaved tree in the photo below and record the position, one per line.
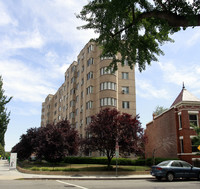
(51, 143)
(54, 142)
(109, 128)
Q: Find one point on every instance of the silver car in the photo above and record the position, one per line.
(175, 169)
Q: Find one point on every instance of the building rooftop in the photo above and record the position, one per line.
(185, 96)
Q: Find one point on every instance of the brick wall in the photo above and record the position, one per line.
(162, 136)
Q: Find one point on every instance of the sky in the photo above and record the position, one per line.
(39, 40)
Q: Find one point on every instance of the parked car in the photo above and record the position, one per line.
(175, 169)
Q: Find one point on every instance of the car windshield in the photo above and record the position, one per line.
(164, 163)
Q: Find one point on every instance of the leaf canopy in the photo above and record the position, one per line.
(137, 28)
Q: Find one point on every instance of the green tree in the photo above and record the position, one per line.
(4, 116)
(196, 140)
(2, 152)
(159, 110)
(137, 28)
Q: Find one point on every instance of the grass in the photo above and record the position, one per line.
(64, 167)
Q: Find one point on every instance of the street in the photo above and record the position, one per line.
(99, 184)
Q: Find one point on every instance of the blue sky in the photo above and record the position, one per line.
(39, 40)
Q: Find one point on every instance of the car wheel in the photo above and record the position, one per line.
(170, 177)
(199, 176)
(158, 178)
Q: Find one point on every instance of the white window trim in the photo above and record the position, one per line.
(193, 112)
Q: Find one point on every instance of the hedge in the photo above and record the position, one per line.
(121, 161)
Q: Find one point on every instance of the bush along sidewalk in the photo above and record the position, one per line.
(120, 161)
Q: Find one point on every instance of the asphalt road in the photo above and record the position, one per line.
(99, 184)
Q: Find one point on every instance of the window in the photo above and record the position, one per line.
(81, 110)
(73, 68)
(108, 102)
(89, 104)
(185, 164)
(78, 73)
(76, 125)
(106, 57)
(78, 61)
(72, 79)
(176, 164)
(82, 81)
(89, 90)
(90, 61)
(125, 105)
(89, 75)
(82, 94)
(77, 111)
(90, 48)
(180, 121)
(77, 97)
(72, 103)
(72, 91)
(194, 142)
(82, 69)
(124, 75)
(125, 62)
(77, 86)
(59, 109)
(108, 85)
(82, 57)
(105, 70)
(193, 119)
(125, 90)
(59, 117)
(71, 115)
(181, 145)
(88, 120)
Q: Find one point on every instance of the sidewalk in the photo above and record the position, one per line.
(7, 174)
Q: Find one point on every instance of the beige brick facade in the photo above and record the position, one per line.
(88, 88)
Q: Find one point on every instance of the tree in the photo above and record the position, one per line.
(159, 110)
(196, 139)
(51, 143)
(4, 116)
(137, 28)
(57, 141)
(2, 152)
(109, 128)
(27, 144)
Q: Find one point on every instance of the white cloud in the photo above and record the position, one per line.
(193, 39)
(187, 73)
(22, 40)
(5, 18)
(146, 90)
(23, 82)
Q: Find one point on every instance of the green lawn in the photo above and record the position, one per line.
(42, 166)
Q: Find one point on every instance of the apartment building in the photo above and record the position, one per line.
(89, 87)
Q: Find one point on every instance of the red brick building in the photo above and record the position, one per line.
(170, 134)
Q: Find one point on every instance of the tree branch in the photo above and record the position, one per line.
(161, 4)
(173, 19)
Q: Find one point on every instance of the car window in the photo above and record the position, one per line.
(176, 164)
(164, 163)
(185, 164)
